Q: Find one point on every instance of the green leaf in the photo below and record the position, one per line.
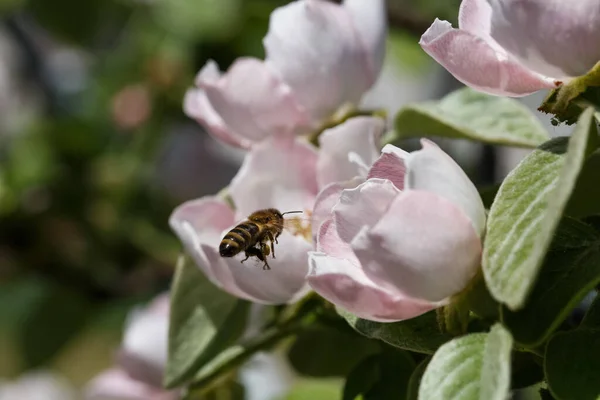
(479, 300)
(585, 199)
(323, 351)
(421, 334)
(574, 234)
(395, 369)
(527, 209)
(233, 357)
(592, 316)
(467, 114)
(565, 279)
(415, 380)
(362, 378)
(526, 370)
(475, 366)
(204, 321)
(572, 364)
(384, 376)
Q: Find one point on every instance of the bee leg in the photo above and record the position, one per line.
(249, 253)
(273, 240)
(265, 250)
(252, 252)
(259, 253)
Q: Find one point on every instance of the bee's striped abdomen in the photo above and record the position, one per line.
(239, 239)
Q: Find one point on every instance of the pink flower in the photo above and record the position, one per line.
(346, 153)
(348, 150)
(285, 173)
(279, 172)
(141, 360)
(402, 242)
(517, 47)
(319, 56)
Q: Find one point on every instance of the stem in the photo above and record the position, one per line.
(235, 356)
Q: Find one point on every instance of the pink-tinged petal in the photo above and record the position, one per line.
(160, 305)
(362, 206)
(424, 246)
(346, 285)
(201, 224)
(432, 170)
(116, 384)
(555, 38)
(475, 16)
(209, 73)
(335, 274)
(144, 350)
(390, 165)
(207, 217)
(326, 199)
(317, 51)
(347, 150)
(139, 369)
(197, 106)
(283, 283)
(253, 101)
(267, 376)
(279, 172)
(330, 243)
(370, 20)
(480, 63)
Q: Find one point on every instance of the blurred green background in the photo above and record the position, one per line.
(95, 152)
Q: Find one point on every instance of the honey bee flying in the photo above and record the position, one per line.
(251, 236)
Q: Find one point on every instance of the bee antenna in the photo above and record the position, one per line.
(292, 212)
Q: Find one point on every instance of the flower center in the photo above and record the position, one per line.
(300, 226)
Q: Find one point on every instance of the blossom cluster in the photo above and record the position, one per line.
(380, 226)
(387, 235)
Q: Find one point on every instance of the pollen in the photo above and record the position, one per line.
(301, 226)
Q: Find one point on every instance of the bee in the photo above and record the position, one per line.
(251, 236)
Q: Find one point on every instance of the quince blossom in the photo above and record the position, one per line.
(319, 57)
(279, 172)
(517, 47)
(402, 242)
(286, 173)
(141, 360)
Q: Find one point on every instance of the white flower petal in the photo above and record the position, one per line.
(362, 206)
(356, 138)
(432, 170)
